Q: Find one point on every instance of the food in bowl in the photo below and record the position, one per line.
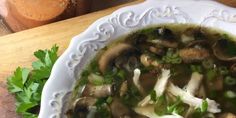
(171, 70)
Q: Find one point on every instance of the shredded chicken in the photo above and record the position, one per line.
(146, 107)
(191, 100)
(148, 111)
(159, 87)
(136, 81)
(192, 87)
(194, 83)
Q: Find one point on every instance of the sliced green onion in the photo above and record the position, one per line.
(177, 107)
(153, 95)
(208, 64)
(204, 106)
(109, 100)
(230, 94)
(95, 79)
(171, 57)
(223, 70)
(230, 80)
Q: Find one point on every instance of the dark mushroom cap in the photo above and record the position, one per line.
(111, 54)
(220, 51)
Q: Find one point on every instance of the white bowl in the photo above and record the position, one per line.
(83, 47)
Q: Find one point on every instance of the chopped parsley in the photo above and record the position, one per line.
(27, 84)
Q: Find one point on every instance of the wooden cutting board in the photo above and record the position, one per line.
(17, 49)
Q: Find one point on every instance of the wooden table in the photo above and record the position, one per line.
(17, 49)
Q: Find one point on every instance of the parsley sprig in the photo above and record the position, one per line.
(27, 84)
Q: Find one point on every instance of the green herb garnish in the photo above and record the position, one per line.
(196, 68)
(161, 105)
(153, 95)
(204, 106)
(177, 107)
(171, 57)
(200, 111)
(27, 84)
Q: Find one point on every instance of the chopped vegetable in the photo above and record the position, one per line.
(230, 80)
(171, 57)
(230, 94)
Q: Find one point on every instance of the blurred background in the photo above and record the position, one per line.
(18, 15)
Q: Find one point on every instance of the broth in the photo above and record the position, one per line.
(171, 70)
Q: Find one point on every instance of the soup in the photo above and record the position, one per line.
(169, 71)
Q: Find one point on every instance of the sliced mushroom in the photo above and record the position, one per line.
(202, 92)
(164, 37)
(189, 55)
(84, 102)
(131, 64)
(83, 106)
(111, 54)
(218, 83)
(157, 50)
(219, 50)
(98, 91)
(164, 33)
(201, 43)
(123, 88)
(147, 61)
(227, 115)
(119, 110)
(193, 34)
(187, 36)
(147, 81)
(164, 43)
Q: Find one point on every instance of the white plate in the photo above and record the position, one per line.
(84, 46)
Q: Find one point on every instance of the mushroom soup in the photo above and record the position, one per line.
(166, 71)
